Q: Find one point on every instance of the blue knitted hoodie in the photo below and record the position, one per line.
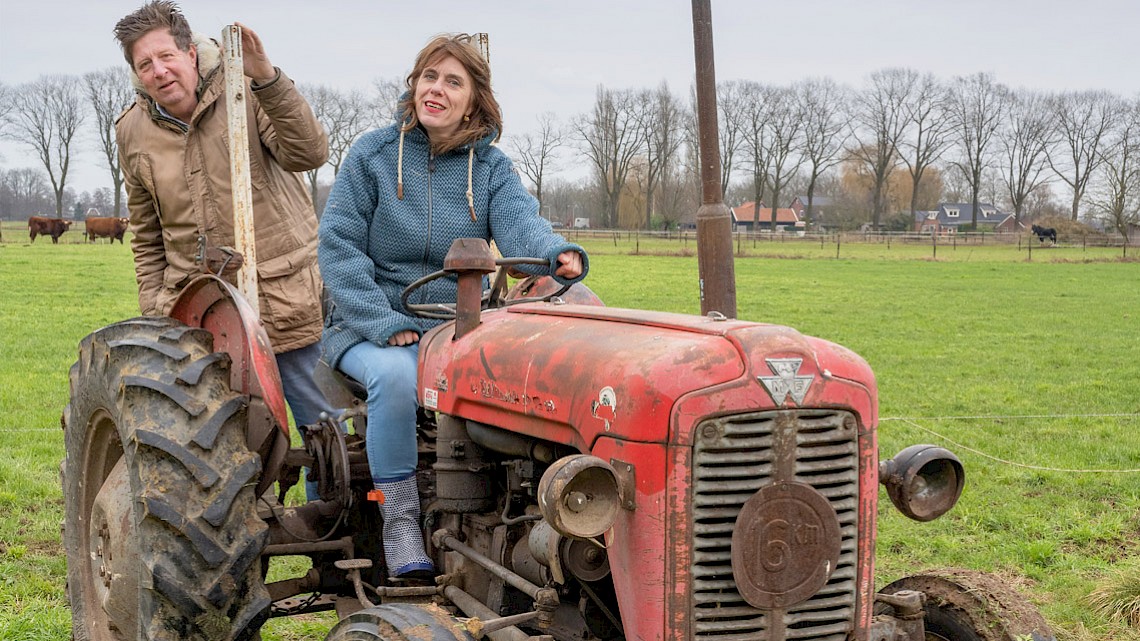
(374, 244)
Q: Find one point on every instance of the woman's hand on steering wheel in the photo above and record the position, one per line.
(405, 337)
(569, 265)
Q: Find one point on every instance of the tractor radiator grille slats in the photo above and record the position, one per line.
(733, 458)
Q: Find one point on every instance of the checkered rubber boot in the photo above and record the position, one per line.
(403, 540)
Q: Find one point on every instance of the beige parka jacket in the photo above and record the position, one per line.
(179, 196)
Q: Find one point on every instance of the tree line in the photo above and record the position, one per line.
(900, 143)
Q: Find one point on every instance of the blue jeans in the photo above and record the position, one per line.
(305, 399)
(389, 375)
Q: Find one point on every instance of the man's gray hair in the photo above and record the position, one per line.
(159, 14)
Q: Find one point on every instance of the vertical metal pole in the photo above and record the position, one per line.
(239, 163)
(483, 41)
(714, 223)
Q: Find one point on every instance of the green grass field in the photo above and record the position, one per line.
(1029, 368)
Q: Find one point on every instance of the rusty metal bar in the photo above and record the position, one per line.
(343, 545)
(714, 223)
(236, 100)
(448, 541)
(472, 607)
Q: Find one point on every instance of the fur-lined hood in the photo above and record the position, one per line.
(209, 60)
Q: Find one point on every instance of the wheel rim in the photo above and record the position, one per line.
(108, 577)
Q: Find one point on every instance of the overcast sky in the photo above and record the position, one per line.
(552, 55)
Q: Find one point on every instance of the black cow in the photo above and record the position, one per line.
(1045, 232)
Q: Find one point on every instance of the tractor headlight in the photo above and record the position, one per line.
(579, 496)
(923, 481)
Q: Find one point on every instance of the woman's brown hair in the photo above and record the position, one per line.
(485, 116)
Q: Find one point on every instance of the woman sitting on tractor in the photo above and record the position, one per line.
(402, 195)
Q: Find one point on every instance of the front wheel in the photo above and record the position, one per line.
(963, 605)
(161, 531)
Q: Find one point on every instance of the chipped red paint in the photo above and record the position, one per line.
(679, 542)
(640, 535)
(543, 370)
(868, 511)
(543, 373)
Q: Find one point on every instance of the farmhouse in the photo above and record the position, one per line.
(822, 211)
(949, 217)
(744, 218)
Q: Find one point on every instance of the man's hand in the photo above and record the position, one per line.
(569, 265)
(405, 337)
(254, 61)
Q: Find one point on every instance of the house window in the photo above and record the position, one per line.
(951, 213)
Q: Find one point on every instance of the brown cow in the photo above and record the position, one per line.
(45, 226)
(105, 227)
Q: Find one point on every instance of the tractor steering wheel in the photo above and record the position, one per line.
(492, 298)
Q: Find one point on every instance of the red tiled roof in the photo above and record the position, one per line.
(746, 214)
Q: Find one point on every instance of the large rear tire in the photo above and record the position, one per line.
(161, 531)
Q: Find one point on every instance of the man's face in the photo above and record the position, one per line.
(168, 74)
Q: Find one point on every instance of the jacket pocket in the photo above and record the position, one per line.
(290, 294)
(146, 177)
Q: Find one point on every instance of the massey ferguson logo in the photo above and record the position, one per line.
(786, 380)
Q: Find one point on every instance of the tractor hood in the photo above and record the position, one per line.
(574, 373)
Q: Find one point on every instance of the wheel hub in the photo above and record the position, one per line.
(114, 561)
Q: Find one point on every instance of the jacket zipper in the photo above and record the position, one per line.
(427, 245)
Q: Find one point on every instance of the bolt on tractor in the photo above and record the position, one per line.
(586, 472)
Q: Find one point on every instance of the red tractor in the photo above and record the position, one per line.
(586, 473)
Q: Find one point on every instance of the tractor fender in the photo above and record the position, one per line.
(213, 304)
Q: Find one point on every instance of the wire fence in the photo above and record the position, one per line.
(914, 422)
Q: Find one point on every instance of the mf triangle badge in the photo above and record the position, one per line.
(786, 380)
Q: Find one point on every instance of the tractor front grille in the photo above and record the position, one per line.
(733, 458)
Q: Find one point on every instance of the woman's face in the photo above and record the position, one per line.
(443, 96)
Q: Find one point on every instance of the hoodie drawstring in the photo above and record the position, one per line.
(470, 193)
(400, 168)
(470, 182)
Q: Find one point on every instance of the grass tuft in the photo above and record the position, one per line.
(1118, 595)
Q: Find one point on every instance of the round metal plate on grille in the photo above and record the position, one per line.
(785, 545)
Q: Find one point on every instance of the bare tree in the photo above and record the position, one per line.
(45, 116)
(926, 131)
(753, 137)
(1023, 141)
(345, 115)
(23, 192)
(1082, 118)
(879, 120)
(385, 100)
(784, 124)
(1119, 196)
(536, 152)
(684, 188)
(109, 91)
(664, 133)
(826, 127)
(730, 103)
(7, 102)
(977, 105)
(611, 139)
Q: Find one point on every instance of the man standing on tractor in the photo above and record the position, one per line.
(176, 165)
